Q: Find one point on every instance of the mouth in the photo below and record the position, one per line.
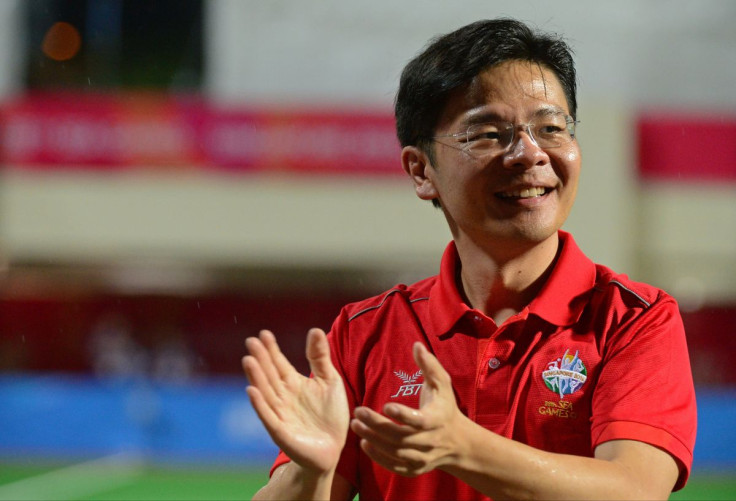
(530, 192)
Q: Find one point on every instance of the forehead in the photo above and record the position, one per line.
(514, 90)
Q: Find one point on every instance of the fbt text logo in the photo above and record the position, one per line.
(411, 384)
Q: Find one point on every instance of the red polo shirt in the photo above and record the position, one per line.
(594, 357)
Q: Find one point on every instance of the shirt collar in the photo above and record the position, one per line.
(563, 297)
(560, 302)
(445, 303)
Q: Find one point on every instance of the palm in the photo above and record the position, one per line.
(306, 417)
(312, 421)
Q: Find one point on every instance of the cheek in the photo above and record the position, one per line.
(568, 166)
(456, 177)
(572, 155)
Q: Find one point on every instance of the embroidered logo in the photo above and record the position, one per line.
(559, 409)
(565, 375)
(410, 386)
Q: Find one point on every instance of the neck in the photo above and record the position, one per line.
(502, 284)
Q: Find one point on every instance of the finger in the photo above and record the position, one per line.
(385, 459)
(257, 378)
(406, 447)
(434, 374)
(260, 352)
(281, 364)
(406, 432)
(265, 413)
(318, 354)
(371, 425)
(408, 416)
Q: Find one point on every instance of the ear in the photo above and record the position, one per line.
(416, 163)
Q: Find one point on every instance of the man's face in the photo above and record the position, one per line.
(521, 194)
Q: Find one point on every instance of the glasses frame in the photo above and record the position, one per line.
(570, 123)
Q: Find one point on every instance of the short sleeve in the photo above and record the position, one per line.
(339, 339)
(645, 389)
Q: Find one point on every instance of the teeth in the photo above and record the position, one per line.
(525, 193)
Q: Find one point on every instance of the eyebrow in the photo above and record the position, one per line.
(492, 116)
(549, 110)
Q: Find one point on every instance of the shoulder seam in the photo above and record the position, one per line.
(641, 299)
(383, 300)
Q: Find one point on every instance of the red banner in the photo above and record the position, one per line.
(114, 132)
(682, 147)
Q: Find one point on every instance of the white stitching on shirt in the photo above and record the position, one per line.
(383, 301)
(616, 282)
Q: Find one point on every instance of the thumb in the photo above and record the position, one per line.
(318, 354)
(435, 376)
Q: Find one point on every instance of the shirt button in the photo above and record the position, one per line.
(477, 319)
(494, 363)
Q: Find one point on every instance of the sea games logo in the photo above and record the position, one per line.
(565, 375)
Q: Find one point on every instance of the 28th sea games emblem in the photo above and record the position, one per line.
(565, 375)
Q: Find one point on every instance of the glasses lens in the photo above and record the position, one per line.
(549, 131)
(488, 137)
(553, 130)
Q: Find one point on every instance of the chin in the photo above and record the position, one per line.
(532, 230)
(535, 237)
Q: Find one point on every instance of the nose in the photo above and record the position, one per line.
(524, 152)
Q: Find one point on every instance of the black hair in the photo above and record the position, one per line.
(453, 60)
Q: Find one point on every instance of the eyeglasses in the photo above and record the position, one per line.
(549, 131)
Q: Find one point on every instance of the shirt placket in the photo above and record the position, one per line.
(493, 397)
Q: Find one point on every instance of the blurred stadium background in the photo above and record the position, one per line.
(178, 174)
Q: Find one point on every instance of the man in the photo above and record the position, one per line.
(522, 370)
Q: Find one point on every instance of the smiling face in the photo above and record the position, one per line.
(519, 196)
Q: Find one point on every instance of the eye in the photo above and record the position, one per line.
(550, 129)
(486, 132)
(552, 125)
(492, 135)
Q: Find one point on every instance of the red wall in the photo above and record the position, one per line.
(55, 334)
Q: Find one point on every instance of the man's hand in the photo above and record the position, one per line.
(306, 417)
(414, 441)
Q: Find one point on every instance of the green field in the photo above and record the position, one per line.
(88, 481)
(115, 481)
